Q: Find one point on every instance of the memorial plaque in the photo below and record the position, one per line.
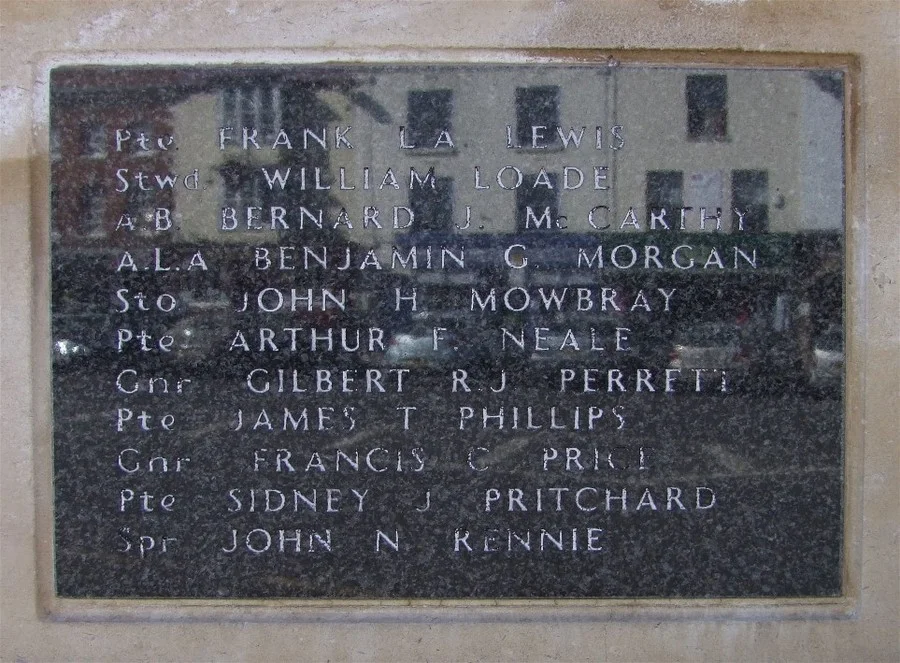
(447, 331)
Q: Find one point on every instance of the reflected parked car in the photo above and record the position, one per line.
(573, 346)
(414, 347)
(199, 338)
(474, 347)
(82, 337)
(827, 369)
(711, 346)
(66, 351)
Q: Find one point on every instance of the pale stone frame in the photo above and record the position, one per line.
(465, 610)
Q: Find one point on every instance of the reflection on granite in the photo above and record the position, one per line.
(447, 331)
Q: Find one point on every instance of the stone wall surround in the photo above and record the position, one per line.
(862, 626)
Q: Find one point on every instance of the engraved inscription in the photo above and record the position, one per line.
(547, 330)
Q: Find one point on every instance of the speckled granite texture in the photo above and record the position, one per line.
(279, 372)
(859, 624)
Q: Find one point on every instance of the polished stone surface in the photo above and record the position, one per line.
(616, 460)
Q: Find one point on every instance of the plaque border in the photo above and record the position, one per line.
(126, 610)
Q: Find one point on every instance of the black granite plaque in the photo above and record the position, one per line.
(447, 331)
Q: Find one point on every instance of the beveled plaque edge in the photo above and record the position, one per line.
(56, 609)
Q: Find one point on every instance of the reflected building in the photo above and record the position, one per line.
(449, 166)
(567, 139)
(555, 204)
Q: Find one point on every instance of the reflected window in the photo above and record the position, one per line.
(537, 207)
(707, 107)
(428, 113)
(55, 144)
(665, 191)
(254, 107)
(750, 195)
(141, 203)
(536, 106)
(92, 208)
(55, 208)
(433, 208)
(136, 132)
(54, 202)
(243, 189)
(93, 141)
(831, 82)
